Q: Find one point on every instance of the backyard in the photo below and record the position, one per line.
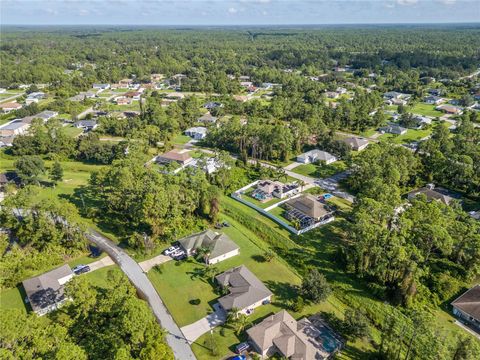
(425, 110)
(319, 170)
(410, 136)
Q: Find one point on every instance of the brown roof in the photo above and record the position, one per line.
(245, 288)
(286, 334)
(12, 105)
(469, 302)
(175, 155)
(356, 142)
(309, 205)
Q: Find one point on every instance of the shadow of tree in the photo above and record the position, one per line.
(259, 258)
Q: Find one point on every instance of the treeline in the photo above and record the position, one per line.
(417, 251)
(107, 322)
(51, 140)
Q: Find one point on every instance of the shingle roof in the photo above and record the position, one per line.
(175, 155)
(218, 244)
(283, 331)
(46, 289)
(245, 288)
(431, 194)
(356, 142)
(309, 205)
(469, 302)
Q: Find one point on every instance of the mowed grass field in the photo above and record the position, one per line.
(411, 136)
(320, 171)
(425, 109)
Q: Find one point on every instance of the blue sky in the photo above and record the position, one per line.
(236, 12)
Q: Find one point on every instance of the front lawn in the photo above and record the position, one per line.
(72, 131)
(320, 171)
(181, 139)
(425, 110)
(411, 136)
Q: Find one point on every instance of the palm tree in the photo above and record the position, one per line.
(241, 323)
(209, 272)
(204, 254)
(302, 184)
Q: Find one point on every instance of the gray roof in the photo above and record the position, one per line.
(13, 125)
(294, 340)
(218, 244)
(317, 155)
(47, 114)
(207, 118)
(469, 302)
(356, 142)
(46, 290)
(431, 194)
(309, 205)
(245, 288)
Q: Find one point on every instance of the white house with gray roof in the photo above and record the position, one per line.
(46, 292)
(246, 291)
(316, 155)
(220, 246)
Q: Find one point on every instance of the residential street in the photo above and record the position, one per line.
(134, 272)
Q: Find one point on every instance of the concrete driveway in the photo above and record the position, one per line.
(105, 261)
(147, 265)
(193, 331)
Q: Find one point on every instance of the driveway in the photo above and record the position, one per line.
(292, 165)
(147, 265)
(193, 331)
(106, 261)
(175, 339)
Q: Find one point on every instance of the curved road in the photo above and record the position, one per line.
(134, 272)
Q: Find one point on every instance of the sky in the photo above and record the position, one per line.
(236, 12)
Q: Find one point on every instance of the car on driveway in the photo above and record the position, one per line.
(81, 269)
(179, 256)
(171, 250)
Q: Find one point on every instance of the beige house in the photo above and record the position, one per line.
(282, 334)
(10, 106)
(181, 157)
(356, 143)
(14, 128)
(220, 246)
(246, 291)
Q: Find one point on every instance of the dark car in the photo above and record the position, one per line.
(81, 269)
(180, 256)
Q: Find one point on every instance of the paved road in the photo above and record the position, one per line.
(13, 97)
(134, 272)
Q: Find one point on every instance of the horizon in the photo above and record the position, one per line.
(221, 13)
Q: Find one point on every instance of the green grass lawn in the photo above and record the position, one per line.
(72, 131)
(279, 212)
(320, 171)
(425, 109)
(181, 139)
(410, 136)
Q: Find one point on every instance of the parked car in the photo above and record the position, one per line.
(81, 269)
(179, 256)
(171, 250)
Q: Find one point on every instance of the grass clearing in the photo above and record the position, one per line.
(411, 136)
(320, 170)
(425, 110)
(181, 139)
(72, 131)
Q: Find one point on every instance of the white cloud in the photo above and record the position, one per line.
(232, 10)
(407, 2)
(448, 2)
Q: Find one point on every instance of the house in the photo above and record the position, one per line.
(433, 100)
(246, 291)
(449, 109)
(396, 98)
(122, 100)
(156, 77)
(86, 125)
(209, 165)
(181, 157)
(422, 120)
(467, 306)
(6, 141)
(220, 246)
(101, 86)
(266, 189)
(393, 129)
(332, 94)
(431, 193)
(46, 115)
(307, 210)
(207, 119)
(341, 90)
(10, 106)
(212, 105)
(356, 143)
(46, 292)
(241, 98)
(197, 133)
(316, 156)
(34, 97)
(435, 92)
(134, 95)
(8, 177)
(475, 214)
(291, 339)
(125, 83)
(175, 96)
(244, 78)
(14, 128)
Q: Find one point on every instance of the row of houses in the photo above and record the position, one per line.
(17, 127)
